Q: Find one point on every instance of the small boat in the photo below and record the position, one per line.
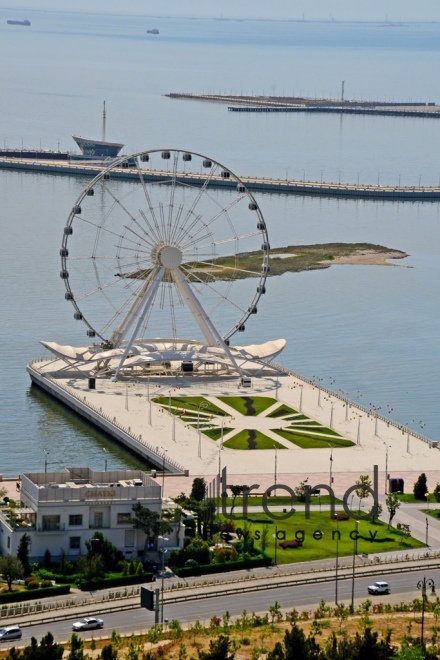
(153, 31)
(25, 22)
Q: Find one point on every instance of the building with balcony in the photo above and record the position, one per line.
(62, 510)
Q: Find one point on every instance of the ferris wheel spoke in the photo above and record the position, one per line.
(200, 192)
(150, 205)
(216, 216)
(213, 266)
(153, 232)
(232, 239)
(222, 297)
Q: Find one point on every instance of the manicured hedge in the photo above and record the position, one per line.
(123, 581)
(34, 594)
(188, 571)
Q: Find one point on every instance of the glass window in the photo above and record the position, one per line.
(50, 523)
(75, 519)
(123, 518)
(75, 542)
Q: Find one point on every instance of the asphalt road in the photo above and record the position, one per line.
(403, 587)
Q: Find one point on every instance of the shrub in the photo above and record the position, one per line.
(46, 583)
(32, 584)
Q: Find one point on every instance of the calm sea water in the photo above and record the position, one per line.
(371, 331)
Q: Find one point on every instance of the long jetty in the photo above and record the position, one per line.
(250, 103)
(257, 184)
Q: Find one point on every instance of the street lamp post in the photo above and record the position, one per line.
(355, 544)
(46, 454)
(163, 550)
(275, 471)
(301, 398)
(163, 472)
(331, 466)
(423, 584)
(105, 463)
(337, 558)
(427, 531)
(332, 403)
(386, 469)
(202, 404)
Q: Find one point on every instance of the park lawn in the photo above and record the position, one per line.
(386, 540)
(243, 439)
(285, 410)
(215, 433)
(278, 500)
(312, 442)
(410, 499)
(259, 403)
(190, 404)
(433, 513)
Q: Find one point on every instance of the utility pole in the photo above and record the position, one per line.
(342, 90)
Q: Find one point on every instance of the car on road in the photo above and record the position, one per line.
(379, 588)
(88, 623)
(10, 632)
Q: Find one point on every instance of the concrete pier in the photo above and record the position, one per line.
(254, 184)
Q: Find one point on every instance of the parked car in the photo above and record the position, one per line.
(88, 623)
(10, 632)
(379, 588)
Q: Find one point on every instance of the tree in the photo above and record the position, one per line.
(198, 489)
(393, 503)
(46, 650)
(420, 487)
(109, 652)
(76, 645)
(149, 522)
(23, 553)
(91, 567)
(12, 569)
(219, 649)
(100, 545)
(236, 491)
(364, 483)
(436, 493)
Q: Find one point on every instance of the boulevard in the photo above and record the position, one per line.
(138, 620)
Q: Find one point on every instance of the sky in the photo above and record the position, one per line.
(376, 10)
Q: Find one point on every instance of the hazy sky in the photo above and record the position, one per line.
(393, 10)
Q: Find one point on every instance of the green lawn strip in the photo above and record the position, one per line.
(238, 403)
(215, 433)
(308, 442)
(191, 404)
(410, 499)
(240, 441)
(282, 411)
(300, 418)
(314, 549)
(314, 433)
(278, 500)
(432, 513)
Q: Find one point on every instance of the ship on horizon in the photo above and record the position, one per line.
(16, 22)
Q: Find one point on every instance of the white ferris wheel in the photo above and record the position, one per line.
(165, 244)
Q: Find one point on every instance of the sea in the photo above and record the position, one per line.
(369, 331)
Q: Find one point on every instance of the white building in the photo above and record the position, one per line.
(62, 510)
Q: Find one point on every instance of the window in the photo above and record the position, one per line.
(75, 519)
(51, 523)
(75, 542)
(123, 518)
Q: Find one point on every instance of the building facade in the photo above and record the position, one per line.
(62, 510)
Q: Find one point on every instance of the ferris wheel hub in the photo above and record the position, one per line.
(170, 257)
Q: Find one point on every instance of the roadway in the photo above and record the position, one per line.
(134, 619)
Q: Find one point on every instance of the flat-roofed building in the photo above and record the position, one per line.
(62, 510)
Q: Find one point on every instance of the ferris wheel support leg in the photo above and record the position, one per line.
(149, 300)
(213, 338)
(119, 335)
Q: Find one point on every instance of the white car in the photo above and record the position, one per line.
(379, 588)
(88, 623)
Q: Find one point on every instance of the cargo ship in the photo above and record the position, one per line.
(25, 22)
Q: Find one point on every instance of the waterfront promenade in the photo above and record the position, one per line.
(127, 411)
(254, 184)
